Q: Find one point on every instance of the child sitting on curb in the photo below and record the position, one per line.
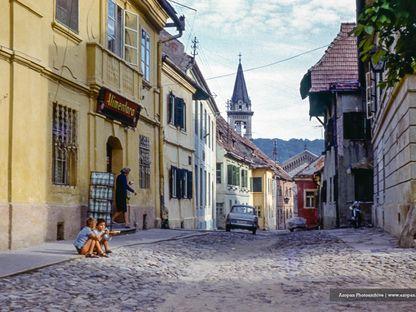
(87, 241)
(103, 235)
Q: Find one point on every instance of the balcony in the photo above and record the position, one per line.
(105, 69)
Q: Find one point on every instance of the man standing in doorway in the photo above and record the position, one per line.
(122, 187)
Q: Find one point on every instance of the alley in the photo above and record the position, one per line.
(222, 272)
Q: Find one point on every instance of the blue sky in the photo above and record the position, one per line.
(265, 31)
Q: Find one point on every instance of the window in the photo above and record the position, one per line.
(244, 178)
(212, 135)
(180, 183)
(114, 28)
(219, 173)
(67, 13)
(64, 138)
(209, 132)
(131, 32)
(123, 33)
(309, 199)
(196, 119)
(176, 111)
(205, 126)
(201, 121)
(145, 55)
(201, 180)
(233, 175)
(257, 184)
(144, 162)
(354, 126)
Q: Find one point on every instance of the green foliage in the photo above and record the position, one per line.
(387, 32)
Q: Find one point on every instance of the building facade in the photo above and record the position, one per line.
(205, 112)
(392, 115)
(232, 172)
(307, 192)
(335, 96)
(79, 88)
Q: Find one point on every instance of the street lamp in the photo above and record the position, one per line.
(377, 68)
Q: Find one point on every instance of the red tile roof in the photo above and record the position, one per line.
(339, 64)
(244, 150)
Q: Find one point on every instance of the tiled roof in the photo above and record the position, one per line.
(339, 64)
(244, 150)
(312, 168)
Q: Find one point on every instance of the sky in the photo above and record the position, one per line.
(264, 31)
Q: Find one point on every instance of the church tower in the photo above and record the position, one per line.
(239, 107)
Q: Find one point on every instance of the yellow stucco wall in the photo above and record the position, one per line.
(43, 62)
(264, 200)
(178, 147)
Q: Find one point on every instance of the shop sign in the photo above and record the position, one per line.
(116, 107)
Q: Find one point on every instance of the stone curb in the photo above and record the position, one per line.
(121, 246)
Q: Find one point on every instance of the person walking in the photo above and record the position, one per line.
(122, 187)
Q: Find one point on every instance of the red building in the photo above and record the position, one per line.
(307, 184)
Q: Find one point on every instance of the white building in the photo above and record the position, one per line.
(204, 117)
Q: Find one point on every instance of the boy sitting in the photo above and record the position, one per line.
(87, 241)
(104, 235)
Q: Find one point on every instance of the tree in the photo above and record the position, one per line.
(387, 32)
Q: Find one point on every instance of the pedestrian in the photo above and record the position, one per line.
(122, 186)
(87, 241)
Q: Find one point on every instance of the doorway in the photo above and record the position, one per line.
(114, 157)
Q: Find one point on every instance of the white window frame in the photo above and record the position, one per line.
(370, 94)
(116, 30)
(145, 61)
(136, 31)
(305, 198)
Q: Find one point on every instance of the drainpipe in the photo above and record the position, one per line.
(335, 138)
(180, 25)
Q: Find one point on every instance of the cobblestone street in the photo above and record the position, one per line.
(220, 271)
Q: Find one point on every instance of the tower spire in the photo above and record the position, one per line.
(239, 107)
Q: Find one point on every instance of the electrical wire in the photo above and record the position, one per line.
(270, 64)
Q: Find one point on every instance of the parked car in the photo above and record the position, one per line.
(242, 217)
(296, 223)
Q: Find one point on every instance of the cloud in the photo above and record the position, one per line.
(266, 31)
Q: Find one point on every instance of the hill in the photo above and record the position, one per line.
(287, 149)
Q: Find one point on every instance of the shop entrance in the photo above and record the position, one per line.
(114, 155)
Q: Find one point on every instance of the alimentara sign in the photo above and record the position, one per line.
(116, 107)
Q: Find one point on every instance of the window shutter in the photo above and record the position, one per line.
(171, 107)
(229, 174)
(171, 181)
(178, 183)
(179, 112)
(131, 37)
(189, 177)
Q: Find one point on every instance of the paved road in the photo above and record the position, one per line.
(222, 272)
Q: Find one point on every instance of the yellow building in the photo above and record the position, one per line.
(74, 76)
(178, 144)
(263, 191)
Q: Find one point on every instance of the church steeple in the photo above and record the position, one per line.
(239, 108)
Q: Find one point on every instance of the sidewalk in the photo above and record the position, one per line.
(14, 262)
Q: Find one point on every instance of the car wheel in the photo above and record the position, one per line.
(291, 230)
(227, 228)
(254, 231)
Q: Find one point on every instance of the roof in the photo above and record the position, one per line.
(299, 162)
(339, 64)
(174, 55)
(313, 167)
(240, 88)
(244, 150)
